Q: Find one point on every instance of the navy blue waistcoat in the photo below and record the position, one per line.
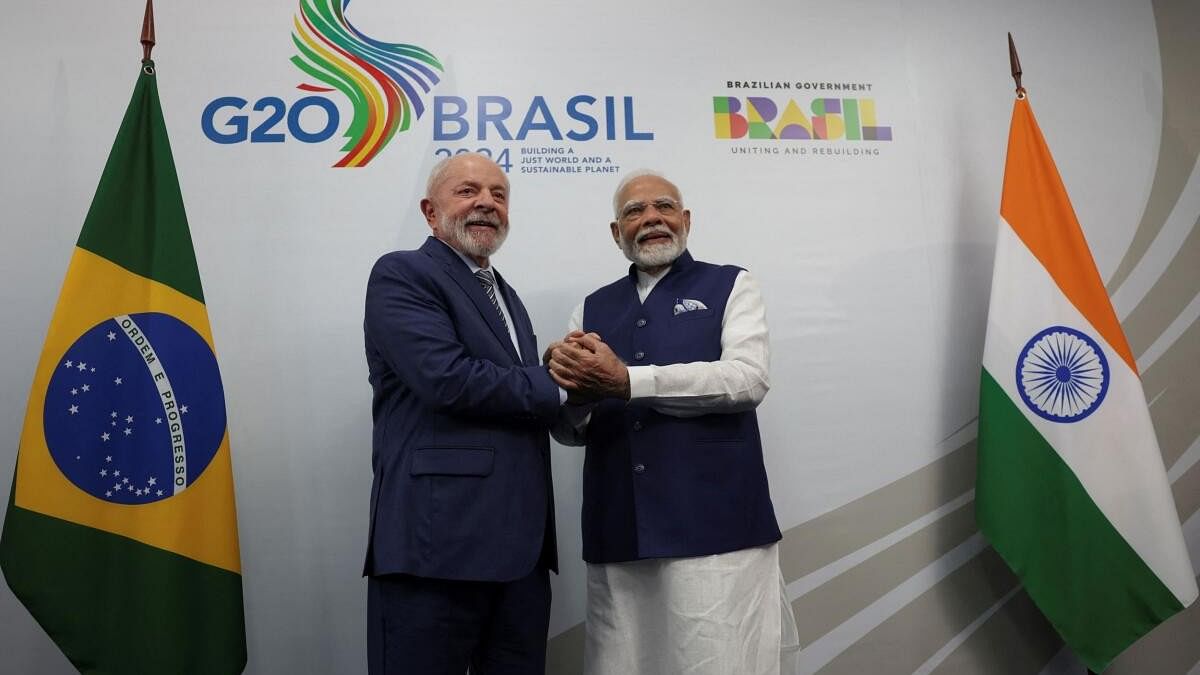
(657, 486)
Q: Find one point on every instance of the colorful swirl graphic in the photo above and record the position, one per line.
(384, 81)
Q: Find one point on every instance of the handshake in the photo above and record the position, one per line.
(587, 368)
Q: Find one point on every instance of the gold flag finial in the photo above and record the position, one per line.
(148, 31)
(1015, 62)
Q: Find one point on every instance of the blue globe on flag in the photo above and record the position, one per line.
(135, 411)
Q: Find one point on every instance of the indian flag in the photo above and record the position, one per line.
(1071, 489)
(120, 535)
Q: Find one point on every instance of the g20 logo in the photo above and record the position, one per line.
(384, 84)
(225, 120)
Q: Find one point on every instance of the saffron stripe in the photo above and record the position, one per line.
(1036, 206)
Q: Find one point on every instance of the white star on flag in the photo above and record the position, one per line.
(111, 336)
(129, 418)
(104, 436)
(152, 480)
(108, 458)
(128, 431)
(158, 420)
(82, 366)
(117, 472)
(74, 391)
(117, 381)
(73, 409)
(159, 493)
(69, 364)
(87, 387)
(114, 414)
(103, 472)
(183, 408)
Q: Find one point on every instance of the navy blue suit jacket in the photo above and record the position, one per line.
(460, 448)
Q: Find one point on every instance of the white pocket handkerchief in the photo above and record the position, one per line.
(688, 305)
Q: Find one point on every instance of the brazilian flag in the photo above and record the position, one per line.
(121, 532)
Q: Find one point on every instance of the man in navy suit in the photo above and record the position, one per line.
(462, 516)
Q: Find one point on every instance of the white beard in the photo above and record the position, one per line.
(476, 245)
(654, 255)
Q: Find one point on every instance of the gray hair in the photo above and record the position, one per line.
(438, 173)
(632, 176)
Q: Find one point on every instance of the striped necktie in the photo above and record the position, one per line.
(489, 286)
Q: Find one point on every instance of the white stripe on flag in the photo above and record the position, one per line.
(1114, 452)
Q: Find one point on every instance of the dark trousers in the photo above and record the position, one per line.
(419, 626)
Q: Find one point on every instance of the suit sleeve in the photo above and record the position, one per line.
(409, 324)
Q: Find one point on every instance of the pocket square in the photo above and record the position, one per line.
(688, 305)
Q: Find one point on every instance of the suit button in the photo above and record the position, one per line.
(639, 468)
(639, 356)
(640, 323)
(637, 426)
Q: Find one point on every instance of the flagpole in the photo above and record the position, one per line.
(1013, 61)
(147, 38)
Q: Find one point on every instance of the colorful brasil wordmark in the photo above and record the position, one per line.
(850, 119)
(383, 81)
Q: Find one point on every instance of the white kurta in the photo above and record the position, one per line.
(725, 614)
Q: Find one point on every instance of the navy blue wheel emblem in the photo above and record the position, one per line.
(135, 411)
(1062, 374)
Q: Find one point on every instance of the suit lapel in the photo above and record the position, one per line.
(462, 276)
(521, 323)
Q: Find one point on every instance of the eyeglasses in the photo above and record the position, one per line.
(664, 205)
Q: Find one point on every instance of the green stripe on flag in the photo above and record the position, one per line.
(1096, 590)
(110, 600)
(137, 218)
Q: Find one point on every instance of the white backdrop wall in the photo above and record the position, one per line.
(875, 259)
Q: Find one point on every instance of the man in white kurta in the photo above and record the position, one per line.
(652, 612)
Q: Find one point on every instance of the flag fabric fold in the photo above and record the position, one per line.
(1071, 488)
(120, 535)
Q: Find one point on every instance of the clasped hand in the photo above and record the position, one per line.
(587, 368)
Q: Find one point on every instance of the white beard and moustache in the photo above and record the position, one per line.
(655, 255)
(475, 245)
